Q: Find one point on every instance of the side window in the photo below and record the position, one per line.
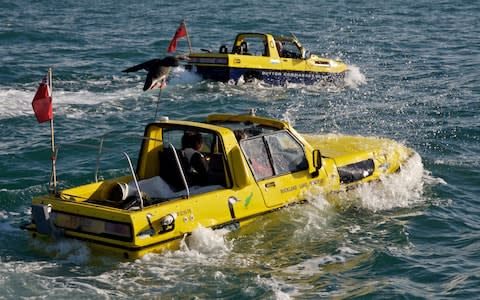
(274, 155)
(254, 45)
(175, 136)
(291, 50)
(200, 154)
(287, 154)
(257, 157)
(172, 136)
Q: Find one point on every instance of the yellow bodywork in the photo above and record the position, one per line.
(88, 213)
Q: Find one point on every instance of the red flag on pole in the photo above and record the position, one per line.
(181, 32)
(42, 102)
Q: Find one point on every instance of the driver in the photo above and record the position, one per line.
(192, 143)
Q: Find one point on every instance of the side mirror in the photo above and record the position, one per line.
(307, 54)
(317, 159)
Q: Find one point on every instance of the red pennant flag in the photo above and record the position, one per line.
(181, 32)
(42, 102)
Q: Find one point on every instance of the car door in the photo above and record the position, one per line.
(293, 65)
(252, 58)
(279, 166)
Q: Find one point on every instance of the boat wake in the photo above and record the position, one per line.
(354, 77)
(66, 102)
(110, 94)
(181, 76)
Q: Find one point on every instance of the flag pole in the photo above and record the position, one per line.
(188, 37)
(53, 181)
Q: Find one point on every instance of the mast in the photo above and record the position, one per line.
(188, 37)
(53, 179)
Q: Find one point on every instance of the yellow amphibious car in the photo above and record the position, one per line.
(256, 165)
(272, 59)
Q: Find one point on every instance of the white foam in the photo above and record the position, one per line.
(399, 190)
(208, 241)
(314, 265)
(67, 94)
(347, 251)
(72, 251)
(203, 246)
(315, 196)
(292, 112)
(277, 287)
(15, 103)
(354, 77)
(181, 76)
(219, 275)
(19, 267)
(315, 218)
(460, 160)
(431, 180)
(403, 189)
(354, 229)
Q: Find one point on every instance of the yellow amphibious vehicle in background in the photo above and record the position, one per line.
(272, 59)
(255, 166)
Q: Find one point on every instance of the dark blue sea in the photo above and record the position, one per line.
(414, 78)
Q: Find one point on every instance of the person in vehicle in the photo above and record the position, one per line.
(240, 134)
(282, 52)
(279, 48)
(192, 142)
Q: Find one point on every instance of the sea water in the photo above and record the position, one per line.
(414, 78)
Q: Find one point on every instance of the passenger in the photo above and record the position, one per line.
(240, 134)
(198, 166)
(282, 52)
(280, 49)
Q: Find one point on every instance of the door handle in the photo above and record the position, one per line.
(270, 184)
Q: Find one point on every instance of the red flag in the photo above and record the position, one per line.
(42, 102)
(181, 32)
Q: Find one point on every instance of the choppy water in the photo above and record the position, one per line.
(416, 80)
